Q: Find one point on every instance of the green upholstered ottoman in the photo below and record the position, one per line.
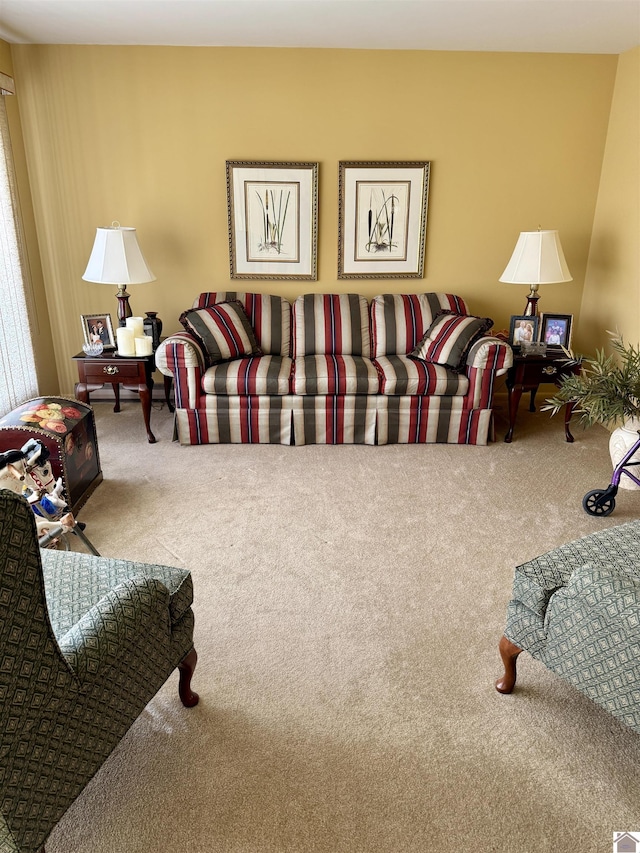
(577, 610)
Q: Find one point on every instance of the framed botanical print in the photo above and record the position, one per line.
(382, 219)
(273, 220)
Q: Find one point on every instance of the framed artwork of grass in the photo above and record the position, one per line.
(382, 219)
(273, 220)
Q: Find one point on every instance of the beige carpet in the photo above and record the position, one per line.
(348, 602)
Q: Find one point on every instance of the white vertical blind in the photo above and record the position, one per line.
(18, 378)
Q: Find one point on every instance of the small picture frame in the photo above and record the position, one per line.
(555, 330)
(97, 327)
(523, 329)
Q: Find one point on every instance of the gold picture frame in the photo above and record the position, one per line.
(382, 219)
(273, 220)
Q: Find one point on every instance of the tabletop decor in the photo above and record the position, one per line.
(116, 258)
(382, 219)
(523, 329)
(556, 330)
(97, 328)
(93, 350)
(537, 259)
(273, 220)
(153, 327)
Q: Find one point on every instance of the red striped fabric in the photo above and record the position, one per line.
(449, 339)
(238, 420)
(269, 315)
(398, 321)
(430, 420)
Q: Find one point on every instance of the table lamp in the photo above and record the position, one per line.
(116, 258)
(537, 259)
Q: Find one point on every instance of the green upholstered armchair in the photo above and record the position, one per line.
(577, 610)
(85, 643)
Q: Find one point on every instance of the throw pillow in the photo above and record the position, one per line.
(223, 330)
(449, 338)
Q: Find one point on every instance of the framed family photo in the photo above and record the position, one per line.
(97, 327)
(273, 220)
(382, 219)
(556, 330)
(523, 329)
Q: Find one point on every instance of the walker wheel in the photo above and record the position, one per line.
(593, 504)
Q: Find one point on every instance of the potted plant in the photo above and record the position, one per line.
(607, 392)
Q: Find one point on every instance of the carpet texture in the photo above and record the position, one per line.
(349, 602)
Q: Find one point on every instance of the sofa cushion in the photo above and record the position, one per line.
(224, 330)
(266, 374)
(400, 374)
(337, 324)
(269, 315)
(334, 374)
(449, 338)
(399, 320)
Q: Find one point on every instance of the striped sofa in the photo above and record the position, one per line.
(332, 369)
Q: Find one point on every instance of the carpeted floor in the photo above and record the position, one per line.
(348, 602)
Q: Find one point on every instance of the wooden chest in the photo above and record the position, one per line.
(67, 428)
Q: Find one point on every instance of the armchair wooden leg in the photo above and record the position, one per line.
(509, 653)
(186, 667)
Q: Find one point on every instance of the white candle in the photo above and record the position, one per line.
(125, 339)
(144, 345)
(136, 324)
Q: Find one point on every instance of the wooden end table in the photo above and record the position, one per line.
(134, 373)
(531, 371)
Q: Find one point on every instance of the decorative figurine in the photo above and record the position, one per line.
(27, 472)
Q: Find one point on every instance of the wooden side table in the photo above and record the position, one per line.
(527, 374)
(135, 373)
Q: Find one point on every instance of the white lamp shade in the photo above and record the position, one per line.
(116, 258)
(537, 259)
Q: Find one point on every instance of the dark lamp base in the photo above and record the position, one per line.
(124, 309)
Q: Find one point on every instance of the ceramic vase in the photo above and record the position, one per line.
(621, 440)
(153, 327)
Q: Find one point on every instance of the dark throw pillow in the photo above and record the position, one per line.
(223, 330)
(449, 338)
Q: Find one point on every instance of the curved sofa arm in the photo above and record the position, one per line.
(492, 354)
(135, 608)
(182, 357)
(488, 358)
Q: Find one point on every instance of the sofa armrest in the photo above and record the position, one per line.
(181, 356)
(489, 353)
(130, 612)
(488, 358)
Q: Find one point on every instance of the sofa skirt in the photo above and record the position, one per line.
(238, 420)
(431, 420)
(335, 420)
(350, 419)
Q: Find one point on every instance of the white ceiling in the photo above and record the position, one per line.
(565, 26)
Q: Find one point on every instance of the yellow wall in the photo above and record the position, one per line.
(41, 328)
(612, 286)
(141, 134)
